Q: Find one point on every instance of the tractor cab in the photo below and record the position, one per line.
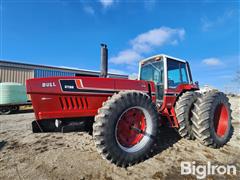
(168, 73)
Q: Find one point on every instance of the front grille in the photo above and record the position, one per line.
(73, 102)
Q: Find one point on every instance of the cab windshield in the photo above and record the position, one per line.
(152, 71)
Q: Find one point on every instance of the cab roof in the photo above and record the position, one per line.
(161, 56)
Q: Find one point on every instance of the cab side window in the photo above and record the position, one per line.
(177, 73)
(183, 73)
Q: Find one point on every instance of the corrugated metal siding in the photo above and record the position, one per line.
(48, 73)
(18, 75)
(10, 64)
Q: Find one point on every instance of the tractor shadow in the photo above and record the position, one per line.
(2, 144)
(166, 138)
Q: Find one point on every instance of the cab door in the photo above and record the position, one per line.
(177, 73)
(154, 71)
(158, 78)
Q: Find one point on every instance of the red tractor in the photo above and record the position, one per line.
(128, 113)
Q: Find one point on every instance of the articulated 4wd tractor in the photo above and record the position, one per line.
(128, 113)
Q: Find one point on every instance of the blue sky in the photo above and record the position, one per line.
(68, 33)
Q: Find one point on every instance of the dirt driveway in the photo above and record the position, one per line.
(24, 155)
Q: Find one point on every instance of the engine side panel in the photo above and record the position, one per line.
(65, 97)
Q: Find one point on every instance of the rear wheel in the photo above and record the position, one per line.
(212, 119)
(125, 128)
(183, 109)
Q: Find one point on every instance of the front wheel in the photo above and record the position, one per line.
(125, 128)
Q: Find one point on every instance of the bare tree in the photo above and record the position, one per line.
(237, 77)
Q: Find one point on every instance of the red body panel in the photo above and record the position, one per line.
(66, 97)
(69, 97)
(169, 99)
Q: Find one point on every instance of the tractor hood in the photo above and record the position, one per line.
(65, 97)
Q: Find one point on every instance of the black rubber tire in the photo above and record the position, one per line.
(203, 119)
(183, 108)
(105, 125)
(15, 109)
(5, 110)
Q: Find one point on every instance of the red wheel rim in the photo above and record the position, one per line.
(129, 127)
(221, 120)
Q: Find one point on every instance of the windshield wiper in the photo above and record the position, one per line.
(155, 67)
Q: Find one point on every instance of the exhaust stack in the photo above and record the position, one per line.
(104, 60)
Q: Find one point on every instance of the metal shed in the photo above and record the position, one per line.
(47, 73)
(19, 75)
(19, 72)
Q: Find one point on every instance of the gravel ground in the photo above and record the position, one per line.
(24, 155)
